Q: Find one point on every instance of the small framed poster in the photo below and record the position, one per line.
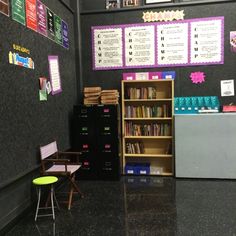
(131, 3)
(112, 4)
(156, 1)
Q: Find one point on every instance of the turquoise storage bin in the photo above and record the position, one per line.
(192, 105)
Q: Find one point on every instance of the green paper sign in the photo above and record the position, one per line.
(43, 95)
(18, 11)
(57, 24)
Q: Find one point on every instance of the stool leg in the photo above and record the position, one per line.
(37, 209)
(52, 204)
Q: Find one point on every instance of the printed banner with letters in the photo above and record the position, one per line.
(170, 44)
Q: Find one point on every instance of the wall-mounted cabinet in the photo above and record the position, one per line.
(147, 124)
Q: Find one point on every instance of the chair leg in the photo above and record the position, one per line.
(70, 197)
(48, 198)
(58, 207)
(72, 180)
(37, 209)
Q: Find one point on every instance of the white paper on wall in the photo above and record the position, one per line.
(172, 41)
(206, 41)
(227, 88)
(108, 47)
(140, 46)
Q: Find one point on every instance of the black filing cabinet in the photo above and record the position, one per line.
(96, 134)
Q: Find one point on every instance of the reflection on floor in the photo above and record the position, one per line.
(143, 206)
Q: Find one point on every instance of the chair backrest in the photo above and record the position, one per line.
(48, 150)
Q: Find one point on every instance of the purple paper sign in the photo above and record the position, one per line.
(41, 17)
(65, 38)
(54, 74)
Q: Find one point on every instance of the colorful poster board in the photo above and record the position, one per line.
(15, 57)
(31, 14)
(183, 43)
(4, 7)
(57, 25)
(65, 34)
(18, 11)
(36, 16)
(41, 18)
(54, 74)
(50, 24)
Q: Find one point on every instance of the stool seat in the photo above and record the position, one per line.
(45, 180)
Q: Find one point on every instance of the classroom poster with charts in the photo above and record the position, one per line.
(172, 44)
(139, 46)
(206, 41)
(31, 14)
(177, 43)
(107, 48)
(54, 74)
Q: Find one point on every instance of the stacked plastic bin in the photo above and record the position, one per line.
(193, 105)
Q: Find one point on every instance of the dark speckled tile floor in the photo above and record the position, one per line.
(141, 206)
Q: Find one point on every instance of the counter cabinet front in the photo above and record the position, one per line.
(205, 146)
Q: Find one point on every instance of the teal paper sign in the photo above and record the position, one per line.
(57, 24)
(18, 11)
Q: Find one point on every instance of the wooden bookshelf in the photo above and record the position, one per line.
(147, 124)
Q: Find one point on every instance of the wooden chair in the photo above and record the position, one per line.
(61, 164)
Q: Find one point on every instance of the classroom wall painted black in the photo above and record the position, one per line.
(183, 84)
(26, 122)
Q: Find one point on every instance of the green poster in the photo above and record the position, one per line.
(18, 11)
(57, 24)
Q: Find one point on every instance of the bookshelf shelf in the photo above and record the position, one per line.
(148, 100)
(147, 124)
(151, 118)
(148, 155)
(148, 137)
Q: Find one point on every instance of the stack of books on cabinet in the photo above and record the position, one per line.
(147, 126)
(92, 95)
(110, 96)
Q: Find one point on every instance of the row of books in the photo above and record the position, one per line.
(134, 148)
(141, 93)
(138, 148)
(147, 111)
(153, 129)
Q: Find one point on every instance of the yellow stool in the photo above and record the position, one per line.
(42, 181)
